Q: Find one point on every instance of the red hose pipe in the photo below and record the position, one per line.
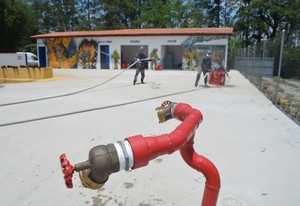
(137, 151)
(207, 168)
(148, 148)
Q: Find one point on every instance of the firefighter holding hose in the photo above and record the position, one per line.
(141, 62)
(205, 68)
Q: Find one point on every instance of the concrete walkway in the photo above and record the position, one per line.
(255, 147)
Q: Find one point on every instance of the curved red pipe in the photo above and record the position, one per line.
(207, 168)
(148, 148)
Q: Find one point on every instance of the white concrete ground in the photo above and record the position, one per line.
(255, 147)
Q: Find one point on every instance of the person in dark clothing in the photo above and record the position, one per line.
(141, 61)
(205, 67)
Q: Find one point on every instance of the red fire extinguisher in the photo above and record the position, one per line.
(217, 77)
(222, 78)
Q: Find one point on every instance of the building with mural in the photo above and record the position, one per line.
(177, 48)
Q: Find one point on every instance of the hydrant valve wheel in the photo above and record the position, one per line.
(166, 103)
(67, 170)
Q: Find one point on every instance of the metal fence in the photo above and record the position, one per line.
(257, 65)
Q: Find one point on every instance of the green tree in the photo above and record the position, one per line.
(233, 48)
(257, 19)
(195, 15)
(88, 15)
(55, 15)
(228, 12)
(211, 13)
(156, 14)
(117, 14)
(242, 25)
(179, 12)
(15, 25)
(214, 9)
(291, 63)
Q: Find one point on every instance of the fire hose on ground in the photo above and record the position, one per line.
(136, 151)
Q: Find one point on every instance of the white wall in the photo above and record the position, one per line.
(162, 43)
(149, 43)
(132, 44)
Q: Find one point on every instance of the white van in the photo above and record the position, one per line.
(32, 59)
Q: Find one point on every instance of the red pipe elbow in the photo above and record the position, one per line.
(182, 111)
(148, 148)
(207, 168)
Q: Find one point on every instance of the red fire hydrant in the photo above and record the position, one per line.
(137, 151)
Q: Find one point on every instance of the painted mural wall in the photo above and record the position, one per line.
(87, 54)
(195, 49)
(61, 52)
(67, 53)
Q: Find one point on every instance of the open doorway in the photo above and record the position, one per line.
(128, 53)
(171, 56)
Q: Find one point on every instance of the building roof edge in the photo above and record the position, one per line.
(141, 32)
